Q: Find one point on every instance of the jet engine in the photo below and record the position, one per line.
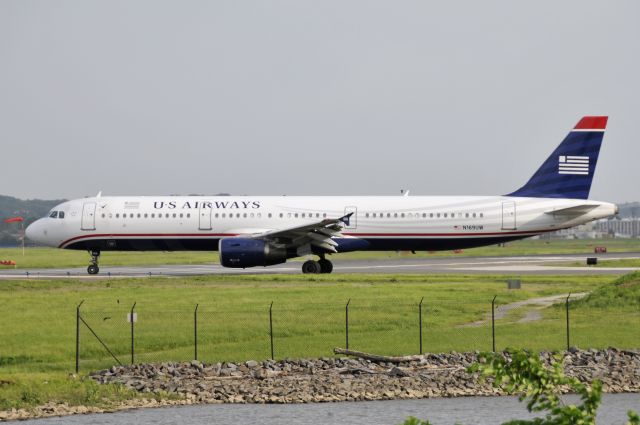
(244, 252)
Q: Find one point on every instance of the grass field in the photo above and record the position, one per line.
(38, 318)
(51, 257)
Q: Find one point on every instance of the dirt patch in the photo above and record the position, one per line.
(533, 307)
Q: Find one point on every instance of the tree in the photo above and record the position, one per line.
(520, 372)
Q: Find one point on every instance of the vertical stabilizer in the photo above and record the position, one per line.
(568, 172)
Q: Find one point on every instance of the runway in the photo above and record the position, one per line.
(518, 265)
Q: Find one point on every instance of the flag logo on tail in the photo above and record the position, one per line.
(577, 165)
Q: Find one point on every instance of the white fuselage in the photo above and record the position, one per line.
(385, 222)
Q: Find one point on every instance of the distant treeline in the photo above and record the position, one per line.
(30, 210)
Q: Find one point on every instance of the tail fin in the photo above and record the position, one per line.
(568, 172)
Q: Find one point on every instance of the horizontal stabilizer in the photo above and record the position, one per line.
(576, 211)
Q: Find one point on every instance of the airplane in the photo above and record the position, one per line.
(250, 231)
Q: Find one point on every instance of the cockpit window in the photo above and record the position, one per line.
(61, 214)
(54, 214)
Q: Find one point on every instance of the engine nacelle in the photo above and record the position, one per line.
(243, 252)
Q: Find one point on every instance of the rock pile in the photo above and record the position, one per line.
(347, 379)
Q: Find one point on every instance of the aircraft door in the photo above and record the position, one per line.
(508, 216)
(353, 220)
(204, 217)
(88, 216)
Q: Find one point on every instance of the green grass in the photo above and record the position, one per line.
(51, 257)
(623, 294)
(34, 389)
(38, 318)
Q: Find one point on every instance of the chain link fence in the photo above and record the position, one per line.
(142, 334)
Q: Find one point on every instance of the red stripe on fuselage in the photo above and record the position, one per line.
(190, 235)
(150, 235)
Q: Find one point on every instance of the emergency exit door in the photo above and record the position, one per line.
(353, 220)
(508, 216)
(204, 217)
(88, 216)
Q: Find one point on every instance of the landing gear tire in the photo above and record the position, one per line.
(311, 267)
(93, 263)
(326, 266)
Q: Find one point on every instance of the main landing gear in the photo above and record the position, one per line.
(314, 267)
(93, 264)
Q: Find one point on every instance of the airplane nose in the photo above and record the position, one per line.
(34, 231)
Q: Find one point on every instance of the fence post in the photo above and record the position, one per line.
(493, 322)
(131, 317)
(195, 333)
(420, 321)
(346, 323)
(271, 329)
(78, 336)
(567, 308)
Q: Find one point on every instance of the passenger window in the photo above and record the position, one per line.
(153, 215)
(188, 215)
(223, 215)
(296, 215)
(244, 215)
(146, 215)
(302, 215)
(174, 215)
(238, 215)
(138, 215)
(402, 215)
(474, 215)
(117, 215)
(269, 215)
(438, 215)
(324, 215)
(166, 215)
(466, 215)
(424, 215)
(481, 215)
(103, 215)
(181, 215)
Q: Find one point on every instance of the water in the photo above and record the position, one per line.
(440, 411)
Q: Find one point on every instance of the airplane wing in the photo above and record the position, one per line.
(318, 234)
(575, 211)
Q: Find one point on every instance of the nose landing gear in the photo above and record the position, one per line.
(93, 263)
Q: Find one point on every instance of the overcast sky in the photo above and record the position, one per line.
(311, 97)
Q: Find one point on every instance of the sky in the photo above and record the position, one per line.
(311, 97)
